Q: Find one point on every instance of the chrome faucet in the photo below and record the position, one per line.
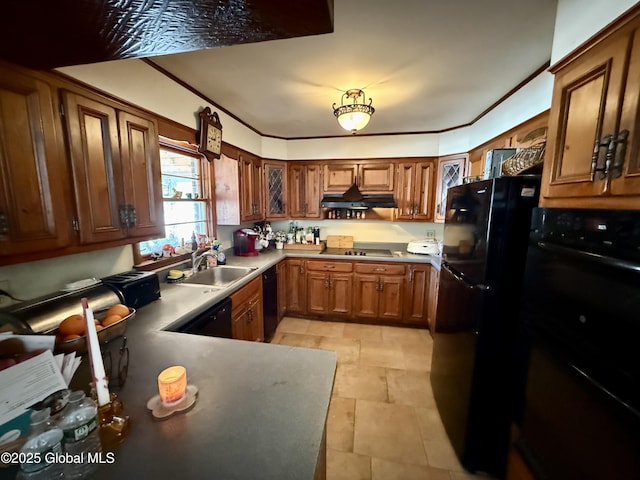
(196, 259)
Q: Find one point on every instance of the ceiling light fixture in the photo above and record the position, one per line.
(353, 116)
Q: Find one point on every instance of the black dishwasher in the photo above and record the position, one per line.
(214, 322)
(270, 302)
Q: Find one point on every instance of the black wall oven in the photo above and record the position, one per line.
(581, 322)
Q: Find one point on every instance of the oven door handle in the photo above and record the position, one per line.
(603, 389)
(594, 257)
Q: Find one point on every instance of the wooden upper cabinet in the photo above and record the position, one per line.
(33, 201)
(304, 189)
(251, 201)
(628, 184)
(115, 161)
(370, 176)
(451, 170)
(275, 189)
(142, 177)
(414, 192)
(595, 101)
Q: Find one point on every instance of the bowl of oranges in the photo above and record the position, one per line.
(71, 334)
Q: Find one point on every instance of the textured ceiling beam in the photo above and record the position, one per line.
(47, 34)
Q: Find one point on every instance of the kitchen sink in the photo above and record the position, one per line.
(220, 276)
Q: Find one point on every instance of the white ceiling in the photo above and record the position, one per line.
(428, 65)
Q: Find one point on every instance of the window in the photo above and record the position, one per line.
(186, 196)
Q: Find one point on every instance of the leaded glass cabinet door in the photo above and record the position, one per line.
(451, 170)
(275, 181)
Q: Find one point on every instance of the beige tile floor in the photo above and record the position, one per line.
(383, 423)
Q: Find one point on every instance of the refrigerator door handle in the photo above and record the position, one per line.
(458, 276)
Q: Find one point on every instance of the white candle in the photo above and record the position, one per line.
(95, 357)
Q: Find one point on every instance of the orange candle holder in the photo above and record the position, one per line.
(172, 385)
(175, 395)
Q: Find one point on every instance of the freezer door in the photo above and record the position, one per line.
(466, 229)
(468, 374)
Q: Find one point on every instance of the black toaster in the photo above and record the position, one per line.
(137, 288)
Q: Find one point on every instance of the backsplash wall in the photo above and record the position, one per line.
(362, 230)
(34, 279)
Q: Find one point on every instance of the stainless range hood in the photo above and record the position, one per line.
(354, 199)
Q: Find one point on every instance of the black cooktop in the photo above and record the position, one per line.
(359, 252)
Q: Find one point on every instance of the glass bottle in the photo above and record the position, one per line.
(41, 448)
(79, 425)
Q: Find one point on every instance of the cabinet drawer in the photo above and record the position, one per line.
(317, 265)
(380, 268)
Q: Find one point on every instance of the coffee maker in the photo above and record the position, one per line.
(244, 242)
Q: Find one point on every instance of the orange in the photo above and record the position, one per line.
(110, 320)
(117, 309)
(73, 324)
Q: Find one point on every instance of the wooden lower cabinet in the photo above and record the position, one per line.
(375, 292)
(379, 291)
(329, 288)
(417, 302)
(296, 286)
(432, 307)
(247, 322)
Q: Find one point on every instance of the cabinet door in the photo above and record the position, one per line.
(92, 131)
(417, 300)
(391, 301)
(628, 184)
(275, 188)
(296, 286)
(239, 324)
(434, 288)
(317, 292)
(258, 197)
(423, 191)
(586, 98)
(312, 182)
(404, 191)
(296, 190)
(376, 177)
(365, 296)
(415, 191)
(340, 294)
(304, 190)
(33, 203)
(254, 328)
(141, 174)
(247, 200)
(450, 173)
(338, 177)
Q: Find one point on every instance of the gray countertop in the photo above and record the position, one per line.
(261, 409)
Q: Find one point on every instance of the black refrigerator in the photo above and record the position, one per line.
(477, 371)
